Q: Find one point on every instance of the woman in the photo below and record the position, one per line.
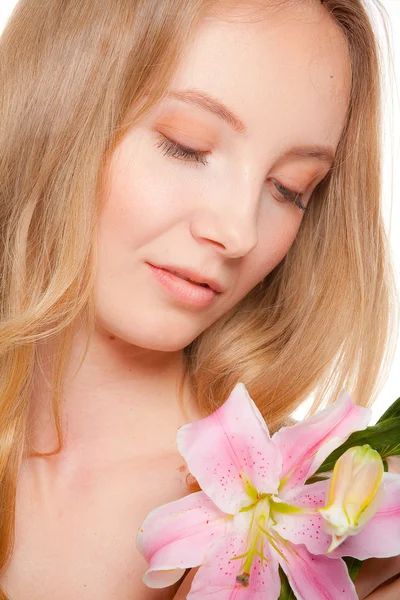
(235, 144)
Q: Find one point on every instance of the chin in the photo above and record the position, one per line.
(163, 332)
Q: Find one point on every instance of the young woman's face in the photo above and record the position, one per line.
(221, 212)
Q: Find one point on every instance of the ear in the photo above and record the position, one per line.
(393, 463)
(184, 588)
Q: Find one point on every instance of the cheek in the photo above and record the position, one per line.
(138, 207)
(283, 237)
(273, 244)
(274, 241)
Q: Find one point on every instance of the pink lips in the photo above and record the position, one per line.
(187, 292)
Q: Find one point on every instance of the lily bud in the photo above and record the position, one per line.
(355, 493)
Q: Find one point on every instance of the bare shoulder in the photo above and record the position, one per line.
(79, 540)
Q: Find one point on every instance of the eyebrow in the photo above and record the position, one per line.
(213, 105)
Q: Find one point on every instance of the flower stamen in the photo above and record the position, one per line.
(243, 579)
(255, 539)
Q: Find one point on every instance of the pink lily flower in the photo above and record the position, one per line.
(255, 512)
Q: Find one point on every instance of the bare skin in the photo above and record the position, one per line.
(78, 512)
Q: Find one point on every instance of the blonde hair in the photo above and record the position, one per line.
(72, 73)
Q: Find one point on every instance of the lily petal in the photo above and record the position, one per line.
(315, 577)
(305, 446)
(307, 529)
(216, 578)
(231, 454)
(380, 537)
(176, 535)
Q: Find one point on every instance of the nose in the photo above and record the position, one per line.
(229, 219)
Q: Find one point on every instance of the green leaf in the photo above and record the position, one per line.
(314, 479)
(392, 411)
(286, 591)
(353, 566)
(384, 437)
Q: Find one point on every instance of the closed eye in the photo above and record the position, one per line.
(178, 151)
(290, 195)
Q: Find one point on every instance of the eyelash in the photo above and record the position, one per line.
(178, 151)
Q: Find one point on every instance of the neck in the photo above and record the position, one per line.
(122, 401)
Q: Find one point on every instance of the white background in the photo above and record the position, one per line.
(391, 390)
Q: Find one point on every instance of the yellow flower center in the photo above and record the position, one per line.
(262, 508)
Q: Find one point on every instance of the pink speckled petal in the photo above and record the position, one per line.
(315, 577)
(217, 577)
(313, 494)
(176, 535)
(228, 446)
(305, 446)
(380, 538)
(307, 529)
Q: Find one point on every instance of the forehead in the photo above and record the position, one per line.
(286, 69)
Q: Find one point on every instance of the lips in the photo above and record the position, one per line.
(192, 275)
(187, 278)
(190, 293)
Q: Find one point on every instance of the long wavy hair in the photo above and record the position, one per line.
(75, 77)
